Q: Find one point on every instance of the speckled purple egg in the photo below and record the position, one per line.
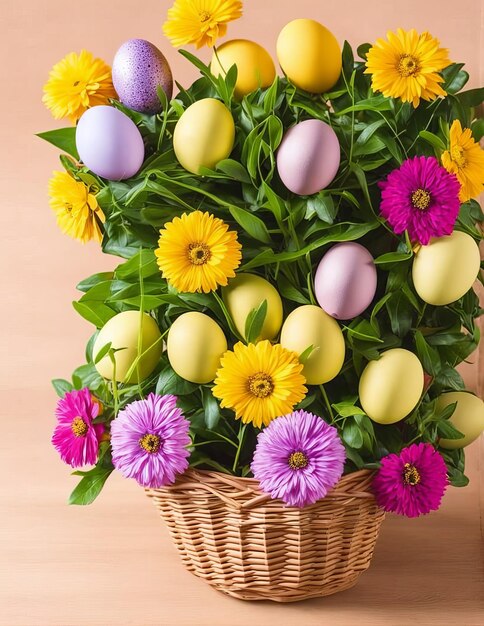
(308, 157)
(345, 281)
(109, 143)
(138, 69)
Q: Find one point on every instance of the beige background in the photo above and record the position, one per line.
(112, 563)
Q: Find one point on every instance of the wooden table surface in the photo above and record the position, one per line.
(112, 564)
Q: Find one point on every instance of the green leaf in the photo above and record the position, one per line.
(433, 140)
(400, 313)
(322, 204)
(146, 265)
(234, 169)
(95, 312)
(363, 50)
(94, 280)
(305, 354)
(102, 352)
(170, 383)
(211, 408)
(63, 138)
(393, 257)
(61, 386)
(447, 430)
(428, 356)
(254, 322)
(90, 486)
(352, 434)
(252, 224)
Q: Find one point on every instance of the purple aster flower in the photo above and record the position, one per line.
(422, 198)
(149, 440)
(75, 437)
(298, 458)
(413, 482)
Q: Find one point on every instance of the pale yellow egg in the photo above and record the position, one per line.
(123, 332)
(255, 67)
(246, 292)
(204, 135)
(309, 325)
(195, 345)
(445, 269)
(390, 388)
(468, 417)
(309, 55)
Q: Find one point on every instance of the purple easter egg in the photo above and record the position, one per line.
(138, 69)
(109, 143)
(345, 281)
(308, 157)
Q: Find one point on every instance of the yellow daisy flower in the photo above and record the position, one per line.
(76, 83)
(407, 65)
(465, 159)
(200, 22)
(259, 382)
(78, 213)
(198, 252)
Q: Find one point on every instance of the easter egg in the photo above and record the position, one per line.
(123, 331)
(390, 388)
(204, 135)
(195, 345)
(445, 269)
(345, 281)
(308, 157)
(309, 325)
(109, 143)
(309, 55)
(246, 292)
(139, 68)
(468, 417)
(255, 67)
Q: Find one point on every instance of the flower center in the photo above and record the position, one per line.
(150, 443)
(407, 65)
(457, 154)
(411, 475)
(298, 460)
(421, 199)
(261, 385)
(79, 427)
(204, 16)
(199, 253)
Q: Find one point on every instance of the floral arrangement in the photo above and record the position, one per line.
(298, 260)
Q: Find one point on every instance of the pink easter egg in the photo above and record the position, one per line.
(345, 281)
(308, 157)
(109, 143)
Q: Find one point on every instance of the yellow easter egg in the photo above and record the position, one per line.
(204, 135)
(123, 331)
(390, 388)
(468, 417)
(255, 67)
(246, 292)
(445, 269)
(309, 55)
(309, 325)
(194, 346)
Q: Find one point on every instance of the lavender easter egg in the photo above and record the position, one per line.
(109, 143)
(345, 281)
(308, 157)
(139, 68)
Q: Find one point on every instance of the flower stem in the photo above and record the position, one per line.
(239, 447)
(327, 402)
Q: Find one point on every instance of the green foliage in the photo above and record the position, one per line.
(283, 237)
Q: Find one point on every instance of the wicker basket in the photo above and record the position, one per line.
(254, 548)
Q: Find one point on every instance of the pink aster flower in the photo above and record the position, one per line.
(422, 198)
(298, 458)
(149, 440)
(413, 482)
(75, 437)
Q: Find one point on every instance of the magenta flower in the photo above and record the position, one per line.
(75, 437)
(149, 439)
(298, 458)
(413, 482)
(422, 198)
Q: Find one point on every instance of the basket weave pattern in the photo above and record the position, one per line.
(254, 548)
